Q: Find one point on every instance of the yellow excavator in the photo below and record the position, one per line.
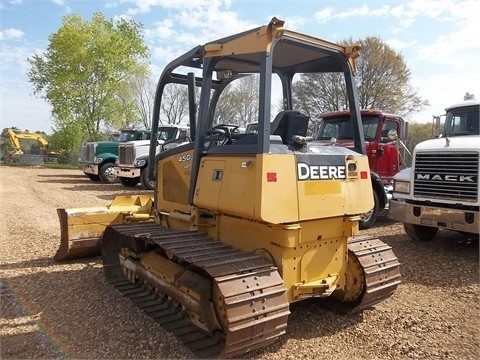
(242, 225)
(25, 144)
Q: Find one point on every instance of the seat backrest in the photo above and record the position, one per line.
(288, 123)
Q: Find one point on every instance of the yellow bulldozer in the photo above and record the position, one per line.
(242, 225)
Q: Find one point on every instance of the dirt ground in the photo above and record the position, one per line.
(67, 310)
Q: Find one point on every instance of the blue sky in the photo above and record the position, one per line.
(436, 38)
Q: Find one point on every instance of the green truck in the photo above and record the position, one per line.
(97, 159)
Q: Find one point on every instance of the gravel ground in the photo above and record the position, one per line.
(67, 310)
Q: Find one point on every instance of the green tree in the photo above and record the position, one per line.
(86, 73)
(418, 132)
(382, 78)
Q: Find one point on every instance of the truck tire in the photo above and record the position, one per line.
(107, 174)
(420, 232)
(129, 182)
(93, 177)
(369, 218)
(146, 183)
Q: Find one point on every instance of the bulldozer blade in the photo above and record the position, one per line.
(81, 229)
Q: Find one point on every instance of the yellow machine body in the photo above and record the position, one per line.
(245, 224)
(257, 204)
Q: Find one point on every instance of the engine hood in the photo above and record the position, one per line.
(469, 142)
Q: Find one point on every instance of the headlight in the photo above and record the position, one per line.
(97, 160)
(139, 163)
(116, 162)
(401, 186)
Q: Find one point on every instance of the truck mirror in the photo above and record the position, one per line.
(392, 134)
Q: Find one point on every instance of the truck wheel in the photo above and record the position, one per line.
(107, 174)
(93, 177)
(146, 183)
(420, 232)
(369, 218)
(129, 182)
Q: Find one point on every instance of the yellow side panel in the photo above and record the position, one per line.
(237, 195)
(210, 178)
(227, 184)
(277, 184)
(173, 180)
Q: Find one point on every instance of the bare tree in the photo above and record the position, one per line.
(144, 93)
(382, 77)
(174, 107)
(239, 102)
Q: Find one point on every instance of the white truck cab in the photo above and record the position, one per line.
(441, 189)
(132, 164)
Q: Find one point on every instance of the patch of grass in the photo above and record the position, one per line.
(44, 165)
(59, 166)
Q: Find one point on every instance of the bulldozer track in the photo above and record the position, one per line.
(254, 297)
(255, 311)
(381, 270)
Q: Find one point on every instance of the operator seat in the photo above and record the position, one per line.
(288, 123)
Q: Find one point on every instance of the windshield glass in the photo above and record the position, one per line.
(462, 121)
(126, 136)
(251, 128)
(167, 133)
(341, 128)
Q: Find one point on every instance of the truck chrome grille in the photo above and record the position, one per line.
(126, 154)
(450, 176)
(88, 152)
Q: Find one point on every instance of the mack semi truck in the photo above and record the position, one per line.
(440, 190)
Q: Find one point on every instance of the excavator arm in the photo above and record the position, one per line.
(12, 136)
(16, 136)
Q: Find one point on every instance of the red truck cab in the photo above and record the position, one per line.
(384, 158)
(383, 152)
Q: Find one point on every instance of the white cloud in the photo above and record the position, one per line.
(163, 30)
(398, 44)
(203, 21)
(122, 17)
(16, 2)
(59, 2)
(461, 48)
(292, 23)
(406, 13)
(144, 6)
(11, 33)
(323, 15)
